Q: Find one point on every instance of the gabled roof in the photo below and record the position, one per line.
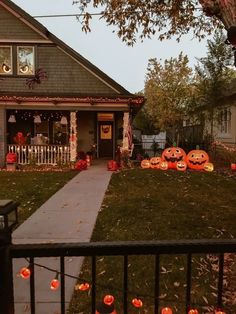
(31, 22)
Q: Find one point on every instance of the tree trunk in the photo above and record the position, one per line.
(223, 10)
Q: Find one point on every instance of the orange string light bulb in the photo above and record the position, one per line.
(166, 310)
(193, 311)
(55, 283)
(219, 312)
(137, 302)
(25, 272)
(84, 286)
(108, 299)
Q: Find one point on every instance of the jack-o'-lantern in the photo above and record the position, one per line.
(193, 311)
(155, 162)
(196, 159)
(145, 164)
(181, 165)
(172, 155)
(208, 166)
(163, 165)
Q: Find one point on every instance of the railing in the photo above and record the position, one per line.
(187, 248)
(41, 154)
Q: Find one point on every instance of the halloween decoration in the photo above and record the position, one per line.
(81, 165)
(145, 164)
(166, 310)
(193, 311)
(137, 302)
(112, 165)
(196, 159)
(155, 162)
(25, 272)
(163, 165)
(181, 165)
(11, 158)
(172, 155)
(84, 286)
(19, 139)
(233, 166)
(108, 299)
(208, 166)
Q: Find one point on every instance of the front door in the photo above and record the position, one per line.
(105, 139)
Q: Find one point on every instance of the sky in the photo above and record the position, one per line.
(126, 65)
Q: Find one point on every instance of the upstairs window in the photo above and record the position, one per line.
(6, 67)
(225, 120)
(25, 60)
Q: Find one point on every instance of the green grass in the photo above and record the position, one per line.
(155, 205)
(31, 188)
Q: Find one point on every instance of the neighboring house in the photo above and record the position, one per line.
(54, 102)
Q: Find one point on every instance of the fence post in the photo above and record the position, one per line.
(6, 281)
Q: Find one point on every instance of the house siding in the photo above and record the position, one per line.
(13, 28)
(2, 136)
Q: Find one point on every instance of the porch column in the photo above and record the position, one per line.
(73, 137)
(3, 131)
(125, 145)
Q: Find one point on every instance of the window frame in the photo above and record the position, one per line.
(11, 61)
(18, 72)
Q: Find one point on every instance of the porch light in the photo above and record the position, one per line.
(64, 120)
(8, 217)
(12, 118)
(37, 119)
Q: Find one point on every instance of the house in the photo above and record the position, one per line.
(53, 102)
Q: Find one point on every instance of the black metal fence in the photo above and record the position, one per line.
(189, 248)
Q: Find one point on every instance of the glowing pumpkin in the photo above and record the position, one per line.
(163, 165)
(155, 162)
(208, 166)
(193, 311)
(181, 165)
(172, 155)
(145, 164)
(196, 159)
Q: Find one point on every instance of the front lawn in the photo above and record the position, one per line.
(154, 205)
(31, 188)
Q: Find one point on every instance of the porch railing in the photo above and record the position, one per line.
(41, 154)
(124, 249)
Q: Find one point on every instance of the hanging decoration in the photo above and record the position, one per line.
(39, 76)
(83, 286)
(166, 310)
(137, 302)
(25, 272)
(55, 283)
(12, 118)
(64, 120)
(37, 119)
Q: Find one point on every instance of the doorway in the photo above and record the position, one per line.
(105, 139)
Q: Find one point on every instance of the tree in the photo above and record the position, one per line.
(168, 17)
(213, 74)
(167, 92)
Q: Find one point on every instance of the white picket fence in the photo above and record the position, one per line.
(41, 154)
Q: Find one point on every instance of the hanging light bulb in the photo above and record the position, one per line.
(108, 299)
(12, 118)
(166, 310)
(137, 302)
(219, 312)
(84, 286)
(64, 120)
(25, 272)
(193, 311)
(55, 283)
(37, 119)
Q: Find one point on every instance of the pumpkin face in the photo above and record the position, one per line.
(145, 164)
(196, 159)
(155, 162)
(208, 166)
(163, 165)
(172, 155)
(181, 165)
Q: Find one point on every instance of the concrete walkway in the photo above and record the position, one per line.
(68, 216)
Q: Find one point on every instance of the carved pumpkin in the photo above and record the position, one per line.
(181, 165)
(163, 165)
(155, 162)
(193, 311)
(196, 159)
(172, 155)
(145, 164)
(208, 166)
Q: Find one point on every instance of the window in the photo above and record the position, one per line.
(225, 120)
(25, 60)
(6, 60)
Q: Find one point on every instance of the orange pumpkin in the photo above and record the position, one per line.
(155, 162)
(145, 164)
(181, 165)
(172, 155)
(163, 165)
(196, 159)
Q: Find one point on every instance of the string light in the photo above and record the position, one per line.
(108, 299)
(25, 272)
(193, 311)
(84, 286)
(166, 310)
(137, 302)
(55, 283)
